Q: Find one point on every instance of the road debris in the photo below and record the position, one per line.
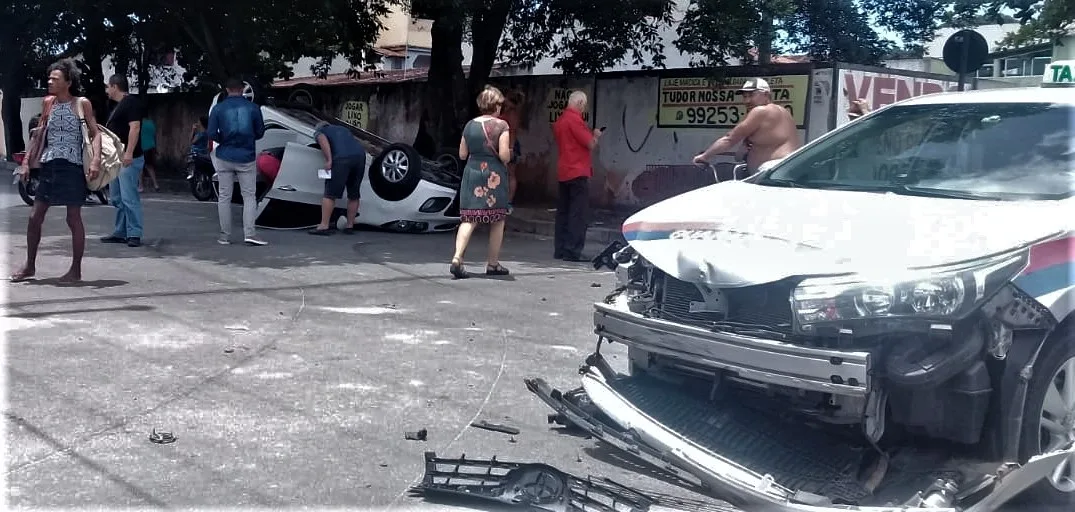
(416, 436)
(161, 437)
(495, 427)
(528, 486)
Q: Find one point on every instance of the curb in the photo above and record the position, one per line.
(599, 236)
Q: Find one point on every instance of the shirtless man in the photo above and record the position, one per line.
(768, 131)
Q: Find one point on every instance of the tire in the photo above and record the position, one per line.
(201, 186)
(451, 163)
(102, 195)
(1053, 372)
(395, 173)
(28, 190)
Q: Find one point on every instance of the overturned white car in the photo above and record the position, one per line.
(884, 320)
(400, 190)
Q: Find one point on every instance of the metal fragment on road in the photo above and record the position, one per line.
(161, 437)
(527, 485)
(495, 427)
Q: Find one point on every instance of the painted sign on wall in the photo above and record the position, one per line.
(556, 102)
(880, 89)
(702, 102)
(355, 113)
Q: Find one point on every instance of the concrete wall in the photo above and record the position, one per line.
(638, 162)
(655, 125)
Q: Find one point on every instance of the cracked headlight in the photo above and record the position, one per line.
(948, 293)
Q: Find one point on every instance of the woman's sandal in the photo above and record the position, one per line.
(496, 270)
(457, 270)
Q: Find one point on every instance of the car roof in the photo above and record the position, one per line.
(1061, 95)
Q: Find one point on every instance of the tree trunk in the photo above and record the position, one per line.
(765, 39)
(444, 105)
(487, 27)
(143, 68)
(13, 82)
(94, 81)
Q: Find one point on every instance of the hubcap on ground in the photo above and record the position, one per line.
(1057, 427)
(395, 166)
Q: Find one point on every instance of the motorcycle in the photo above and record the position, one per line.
(201, 175)
(28, 188)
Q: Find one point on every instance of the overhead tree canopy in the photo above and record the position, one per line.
(260, 39)
(1043, 21)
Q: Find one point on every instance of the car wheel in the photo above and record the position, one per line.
(451, 163)
(1049, 418)
(395, 173)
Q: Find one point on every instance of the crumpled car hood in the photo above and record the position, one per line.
(738, 234)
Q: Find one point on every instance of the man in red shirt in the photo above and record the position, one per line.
(575, 142)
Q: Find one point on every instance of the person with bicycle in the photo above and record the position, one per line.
(768, 131)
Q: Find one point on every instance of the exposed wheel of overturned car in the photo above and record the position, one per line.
(1049, 418)
(395, 173)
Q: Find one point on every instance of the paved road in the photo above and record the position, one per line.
(289, 373)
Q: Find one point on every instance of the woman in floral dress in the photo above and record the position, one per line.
(483, 196)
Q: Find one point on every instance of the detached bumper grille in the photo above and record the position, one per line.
(765, 305)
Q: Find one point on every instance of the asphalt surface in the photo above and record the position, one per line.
(288, 373)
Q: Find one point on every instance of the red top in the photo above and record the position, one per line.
(573, 139)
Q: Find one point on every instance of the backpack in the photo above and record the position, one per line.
(112, 148)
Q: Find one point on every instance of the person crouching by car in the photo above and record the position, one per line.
(345, 160)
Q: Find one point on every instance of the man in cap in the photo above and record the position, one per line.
(768, 130)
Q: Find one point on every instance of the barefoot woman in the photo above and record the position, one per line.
(58, 148)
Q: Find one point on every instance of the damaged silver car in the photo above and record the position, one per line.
(882, 321)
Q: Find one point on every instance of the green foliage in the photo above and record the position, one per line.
(717, 30)
(1043, 21)
(260, 38)
(587, 36)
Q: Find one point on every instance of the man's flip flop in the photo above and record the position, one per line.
(321, 232)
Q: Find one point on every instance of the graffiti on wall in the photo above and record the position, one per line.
(556, 102)
(702, 102)
(355, 113)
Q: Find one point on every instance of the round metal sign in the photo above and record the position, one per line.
(965, 51)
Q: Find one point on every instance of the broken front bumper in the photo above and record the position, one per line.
(615, 420)
(773, 362)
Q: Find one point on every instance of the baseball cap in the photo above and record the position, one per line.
(754, 84)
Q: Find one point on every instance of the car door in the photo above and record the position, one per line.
(297, 180)
(277, 136)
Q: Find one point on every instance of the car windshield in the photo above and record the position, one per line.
(993, 151)
(313, 117)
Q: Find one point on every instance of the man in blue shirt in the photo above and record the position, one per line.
(234, 125)
(345, 159)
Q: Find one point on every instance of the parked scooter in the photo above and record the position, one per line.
(28, 188)
(201, 175)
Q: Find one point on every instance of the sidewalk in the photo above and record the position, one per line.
(604, 226)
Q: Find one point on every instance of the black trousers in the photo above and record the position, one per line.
(572, 218)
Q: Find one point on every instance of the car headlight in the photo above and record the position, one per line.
(947, 294)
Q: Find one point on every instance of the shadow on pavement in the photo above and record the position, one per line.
(179, 228)
(45, 314)
(97, 284)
